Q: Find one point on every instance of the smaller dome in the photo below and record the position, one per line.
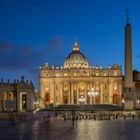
(115, 66)
(46, 66)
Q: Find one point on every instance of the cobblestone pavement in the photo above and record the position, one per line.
(58, 129)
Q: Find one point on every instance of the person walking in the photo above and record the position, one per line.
(73, 117)
(76, 119)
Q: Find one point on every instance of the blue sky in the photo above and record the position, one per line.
(34, 32)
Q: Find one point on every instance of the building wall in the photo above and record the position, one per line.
(11, 95)
(66, 86)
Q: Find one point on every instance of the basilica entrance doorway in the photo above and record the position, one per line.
(116, 98)
(97, 99)
(47, 99)
(65, 98)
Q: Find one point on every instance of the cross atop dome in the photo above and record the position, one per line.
(75, 47)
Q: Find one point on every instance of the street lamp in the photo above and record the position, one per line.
(137, 101)
(92, 93)
(123, 101)
(82, 101)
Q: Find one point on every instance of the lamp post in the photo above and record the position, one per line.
(123, 101)
(92, 93)
(82, 101)
(137, 101)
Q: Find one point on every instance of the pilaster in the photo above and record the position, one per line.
(72, 97)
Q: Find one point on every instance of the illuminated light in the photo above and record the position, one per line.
(105, 74)
(47, 88)
(137, 101)
(109, 66)
(115, 86)
(75, 48)
(36, 103)
(97, 73)
(123, 101)
(101, 67)
(65, 74)
(93, 93)
(65, 88)
(115, 73)
(51, 101)
(82, 99)
(96, 67)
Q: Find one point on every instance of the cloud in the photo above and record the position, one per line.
(54, 43)
(26, 59)
(26, 50)
(5, 47)
(138, 56)
(60, 58)
(14, 57)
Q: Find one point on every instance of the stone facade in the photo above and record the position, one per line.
(17, 96)
(136, 78)
(69, 83)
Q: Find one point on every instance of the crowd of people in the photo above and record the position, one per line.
(75, 116)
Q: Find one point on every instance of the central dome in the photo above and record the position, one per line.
(76, 59)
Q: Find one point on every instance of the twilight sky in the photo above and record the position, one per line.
(34, 32)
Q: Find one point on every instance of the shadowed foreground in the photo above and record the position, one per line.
(58, 129)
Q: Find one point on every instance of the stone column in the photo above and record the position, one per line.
(72, 97)
(101, 92)
(86, 93)
(91, 85)
(61, 93)
(42, 94)
(88, 89)
(69, 93)
(120, 92)
(77, 93)
(54, 93)
(30, 101)
(110, 96)
(18, 100)
(90, 99)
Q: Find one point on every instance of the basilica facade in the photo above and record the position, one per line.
(79, 82)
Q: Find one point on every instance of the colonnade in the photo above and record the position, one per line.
(69, 92)
(6, 97)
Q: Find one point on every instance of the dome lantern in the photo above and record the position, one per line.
(76, 59)
(75, 47)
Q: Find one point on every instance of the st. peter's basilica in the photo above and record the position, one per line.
(77, 79)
